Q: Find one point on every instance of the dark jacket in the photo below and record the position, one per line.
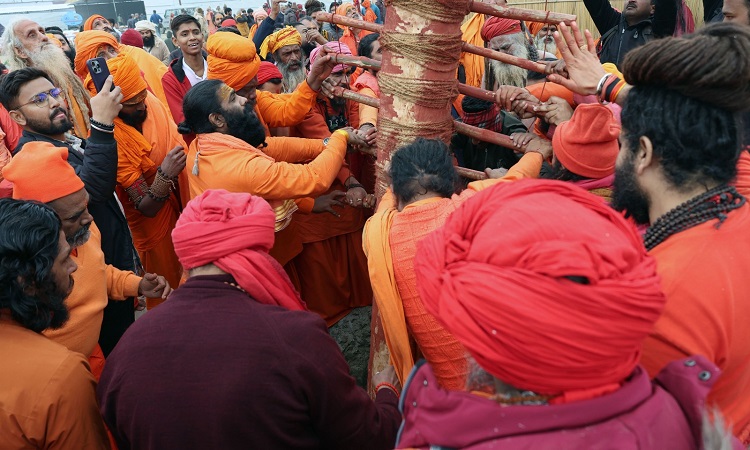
(222, 371)
(97, 168)
(664, 414)
(265, 29)
(618, 38)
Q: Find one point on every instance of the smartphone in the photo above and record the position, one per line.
(99, 72)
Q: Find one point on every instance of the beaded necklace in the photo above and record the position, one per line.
(712, 204)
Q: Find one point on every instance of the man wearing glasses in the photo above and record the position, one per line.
(37, 105)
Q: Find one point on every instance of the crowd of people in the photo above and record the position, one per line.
(587, 292)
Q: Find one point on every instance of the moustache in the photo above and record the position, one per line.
(57, 111)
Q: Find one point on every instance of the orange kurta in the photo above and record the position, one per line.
(276, 173)
(391, 240)
(152, 236)
(704, 274)
(284, 110)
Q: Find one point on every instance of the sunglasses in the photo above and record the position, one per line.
(42, 99)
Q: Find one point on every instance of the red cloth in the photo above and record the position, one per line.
(496, 277)
(229, 23)
(587, 143)
(268, 71)
(235, 232)
(497, 26)
(132, 37)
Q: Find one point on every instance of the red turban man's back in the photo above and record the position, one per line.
(547, 287)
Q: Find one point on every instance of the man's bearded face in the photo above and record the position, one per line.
(627, 195)
(244, 124)
(544, 42)
(293, 74)
(134, 114)
(148, 39)
(506, 74)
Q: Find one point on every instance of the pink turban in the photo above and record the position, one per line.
(235, 232)
(498, 277)
(332, 47)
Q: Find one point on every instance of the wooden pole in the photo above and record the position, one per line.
(531, 15)
(504, 57)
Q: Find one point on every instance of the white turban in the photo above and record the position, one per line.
(143, 25)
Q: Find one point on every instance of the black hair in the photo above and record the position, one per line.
(687, 108)
(201, 101)
(475, 105)
(229, 30)
(11, 84)
(421, 167)
(365, 45)
(274, 81)
(27, 259)
(182, 19)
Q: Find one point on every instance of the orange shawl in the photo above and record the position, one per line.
(473, 64)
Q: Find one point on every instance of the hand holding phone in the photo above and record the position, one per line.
(99, 72)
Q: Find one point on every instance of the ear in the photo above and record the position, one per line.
(644, 156)
(174, 41)
(17, 117)
(217, 120)
(21, 53)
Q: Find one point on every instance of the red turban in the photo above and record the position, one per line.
(41, 172)
(268, 71)
(235, 231)
(587, 144)
(132, 37)
(89, 24)
(497, 26)
(496, 276)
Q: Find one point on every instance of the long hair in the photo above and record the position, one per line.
(687, 93)
(201, 101)
(421, 167)
(26, 260)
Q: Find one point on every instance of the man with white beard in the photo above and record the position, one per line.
(25, 44)
(543, 40)
(285, 47)
(506, 36)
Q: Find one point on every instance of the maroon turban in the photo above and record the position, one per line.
(547, 287)
(235, 232)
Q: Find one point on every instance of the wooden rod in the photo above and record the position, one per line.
(532, 15)
(356, 61)
(503, 57)
(349, 22)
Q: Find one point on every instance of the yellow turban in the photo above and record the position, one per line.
(88, 44)
(282, 38)
(232, 59)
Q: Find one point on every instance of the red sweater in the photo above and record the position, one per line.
(176, 85)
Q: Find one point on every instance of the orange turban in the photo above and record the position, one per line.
(125, 73)
(546, 286)
(535, 27)
(88, 44)
(41, 172)
(497, 26)
(587, 144)
(54, 39)
(285, 36)
(89, 24)
(344, 8)
(232, 59)
(131, 144)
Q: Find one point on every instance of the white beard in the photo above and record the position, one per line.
(550, 46)
(507, 74)
(292, 78)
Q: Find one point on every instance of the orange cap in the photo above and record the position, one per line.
(41, 172)
(587, 144)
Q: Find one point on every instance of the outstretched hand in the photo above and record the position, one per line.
(321, 69)
(579, 53)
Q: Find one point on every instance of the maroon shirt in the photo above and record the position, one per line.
(212, 368)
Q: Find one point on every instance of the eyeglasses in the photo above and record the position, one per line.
(42, 99)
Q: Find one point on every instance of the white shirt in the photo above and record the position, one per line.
(190, 74)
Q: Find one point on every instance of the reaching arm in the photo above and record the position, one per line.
(603, 14)
(286, 110)
(99, 169)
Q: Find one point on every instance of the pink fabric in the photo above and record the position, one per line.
(235, 231)
(496, 277)
(332, 47)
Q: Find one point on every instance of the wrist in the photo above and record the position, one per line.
(108, 121)
(389, 386)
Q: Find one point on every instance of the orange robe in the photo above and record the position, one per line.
(284, 110)
(276, 173)
(391, 240)
(471, 33)
(704, 274)
(151, 68)
(152, 236)
(367, 84)
(95, 283)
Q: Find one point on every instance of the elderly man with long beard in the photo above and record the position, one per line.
(151, 184)
(105, 44)
(543, 40)
(506, 36)
(285, 47)
(25, 44)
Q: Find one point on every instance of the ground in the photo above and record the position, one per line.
(352, 333)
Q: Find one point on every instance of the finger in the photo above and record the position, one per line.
(150, 276)
(590, 41)
(330, 210)
(107, 84)
(562, 81)
(562, 44)
(167, 291)
(580, 42)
